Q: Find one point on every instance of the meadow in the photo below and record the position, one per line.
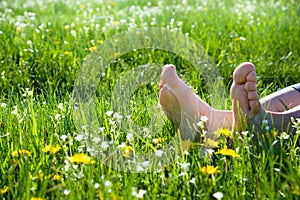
(45, 155)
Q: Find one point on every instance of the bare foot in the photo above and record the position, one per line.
(170, 105)
(182, 105)
(245, 100)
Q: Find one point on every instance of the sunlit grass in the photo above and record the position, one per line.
(43, 154)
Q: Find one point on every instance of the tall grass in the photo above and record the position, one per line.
(44, 44)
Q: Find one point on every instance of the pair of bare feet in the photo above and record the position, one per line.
(179, 102)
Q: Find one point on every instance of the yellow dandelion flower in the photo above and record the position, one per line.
(4, 190)
(21, 152)
(210, 170)
(228, 152)
(225, 132)
(116, 23)
(36, 198)
(127, 151)
(56, 177)
(39, 176)
(82, 158)
(92, 48)
(100, 41)
(51, 149)
(211, 143)
(67, 53)
(113, 4)
(159, 140)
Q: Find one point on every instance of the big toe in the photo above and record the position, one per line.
(168, 74)
(244, 72)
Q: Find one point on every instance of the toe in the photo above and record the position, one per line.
(250, 86)
(252, 77)
(255, 107)
(169, 66)
(253, 95)
(241, 73)
(169, 76)
(169, 73)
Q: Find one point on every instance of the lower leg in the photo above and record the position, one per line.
(282, 120)
(282, 100)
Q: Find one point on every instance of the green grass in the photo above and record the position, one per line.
(45, 44)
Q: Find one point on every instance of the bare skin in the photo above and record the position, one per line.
(178, 101)
(245, 100)
(248, 110)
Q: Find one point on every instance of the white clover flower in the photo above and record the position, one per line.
(185, 152)
(117, 116)
(193, 180)
(3, 105)
(141, 194)
(129, 136)
(109, 113)
(182, 174)
(122, 145)
(66, 192)
(218, 195)
(79, 137)
(73, 33)
(204, 118)
(184, 166)
(64, 137)
(139, 168)
(200, 124)
(159, 153)
(29, 42)
(57, 117)
(60, 106)
(90, 149)
(97, 185)
(276, 169)
(96, 139)
(107, 183)
(284, 136)
(104, 145)
(209, 151)
(245, 133)
(146, 130)
(145, 164)
(15, 111)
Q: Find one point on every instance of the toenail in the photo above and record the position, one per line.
(169, 65)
